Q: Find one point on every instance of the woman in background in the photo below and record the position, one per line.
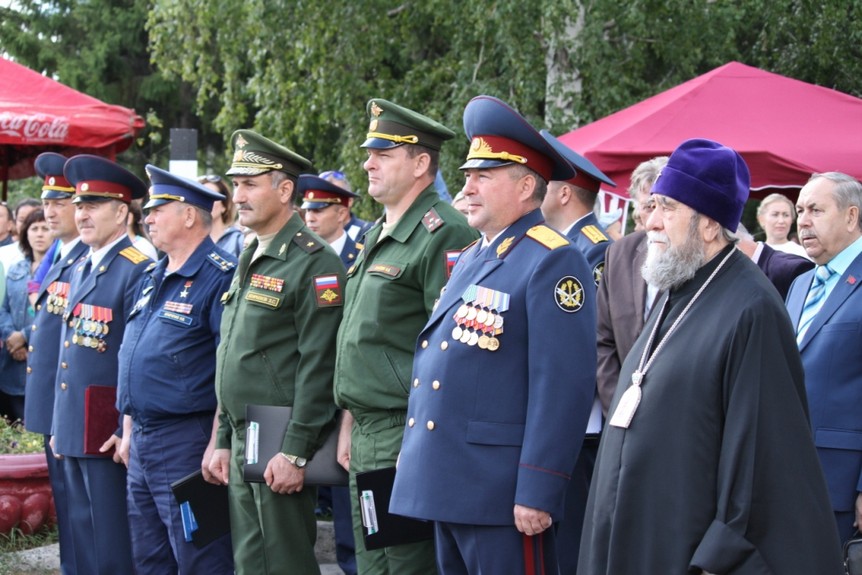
(16, 314)
(224, 233)
(775, 214)
(137, 233)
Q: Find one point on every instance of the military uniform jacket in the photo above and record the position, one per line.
(589, 237)
(391, 290)
(278, 327)
(95, 320)
(44, 342)
(494, 425)
(167, 360)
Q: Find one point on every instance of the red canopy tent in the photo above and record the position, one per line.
(785, 129)
(38, 114)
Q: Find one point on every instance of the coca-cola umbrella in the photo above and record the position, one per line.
(38, 114)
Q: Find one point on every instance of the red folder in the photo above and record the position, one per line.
(101, 418)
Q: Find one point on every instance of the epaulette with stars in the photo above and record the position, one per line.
(306, 243)
(432, 220)
(221, 263)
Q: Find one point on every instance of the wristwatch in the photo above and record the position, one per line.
(295, 460)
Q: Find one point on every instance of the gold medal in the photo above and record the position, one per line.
(456, 332)
(481, 316)
(493, 344)
(465, 336)
(105, 329)
(483, 341)
(474, 338)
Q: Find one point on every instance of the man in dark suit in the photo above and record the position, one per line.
(44, 337)
(503, 376)
(780, 267)
(624, 299)
(101, 297)
(568, 207)
(825, 305)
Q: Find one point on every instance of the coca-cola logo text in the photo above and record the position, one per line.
(36, 127)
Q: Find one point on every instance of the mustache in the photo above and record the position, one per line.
(657, 237)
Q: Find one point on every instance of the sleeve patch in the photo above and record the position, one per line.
(451, 259)
(594, 234)
(569, 294)
(549, 238)
(327, 291)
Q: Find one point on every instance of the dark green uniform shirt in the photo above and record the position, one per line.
(391, 290)
(278, 332)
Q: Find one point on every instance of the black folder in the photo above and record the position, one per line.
(381, 528)
(208, 505)
(271, 423)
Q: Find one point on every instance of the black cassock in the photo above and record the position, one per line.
(717, 470)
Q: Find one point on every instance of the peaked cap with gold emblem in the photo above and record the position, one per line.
(99, 179)
(254, 155)
(318, 193)
(49, 166)
(500, 136)
(393, 125)
(587, 175)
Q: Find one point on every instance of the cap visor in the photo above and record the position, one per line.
(379, 144)
(480, 164)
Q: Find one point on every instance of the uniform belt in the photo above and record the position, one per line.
(374, 421)
(592, 439)
(167, 421)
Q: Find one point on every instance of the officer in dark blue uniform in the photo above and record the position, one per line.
(326, 212)
(504, 370)
(355, 227)
(86, 425)
(167, 374)
(568, 206)
(44, 337)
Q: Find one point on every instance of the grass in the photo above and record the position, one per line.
(15, 439)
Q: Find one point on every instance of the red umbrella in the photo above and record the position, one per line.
(38, 114)
(785, 129)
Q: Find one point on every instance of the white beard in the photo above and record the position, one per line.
(676, 264)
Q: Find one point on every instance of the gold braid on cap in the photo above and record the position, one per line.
(482, 150)
(399, 139)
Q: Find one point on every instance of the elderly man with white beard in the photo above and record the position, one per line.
(707, 464)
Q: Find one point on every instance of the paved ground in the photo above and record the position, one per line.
(46, 560)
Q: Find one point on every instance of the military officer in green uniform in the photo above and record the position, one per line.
(391, 291)
(281, 314)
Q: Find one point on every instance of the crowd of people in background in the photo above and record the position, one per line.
(550, 396)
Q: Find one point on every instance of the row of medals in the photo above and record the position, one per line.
(88, 333)
(472, 321)
(56, 304)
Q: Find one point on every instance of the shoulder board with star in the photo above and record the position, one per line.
(221, 263)
(307, 243)
(134, 255)
(432, 220)
(594, 234)
(548, 237)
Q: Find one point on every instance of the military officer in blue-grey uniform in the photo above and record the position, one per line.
(504, 374)
(391, 290)
(167, 374)
(355, 227)
(102, 294)
(278, 328)
(568, 207)
(44, 337)
(327, 211)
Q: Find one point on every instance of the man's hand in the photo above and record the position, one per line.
(51, 443)
(342, 453)
(858, 523)
(114, 442)
(208, 453)
(220, 466)
(126, 441)
(15, 342)
(282, 476)
(531, 521)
